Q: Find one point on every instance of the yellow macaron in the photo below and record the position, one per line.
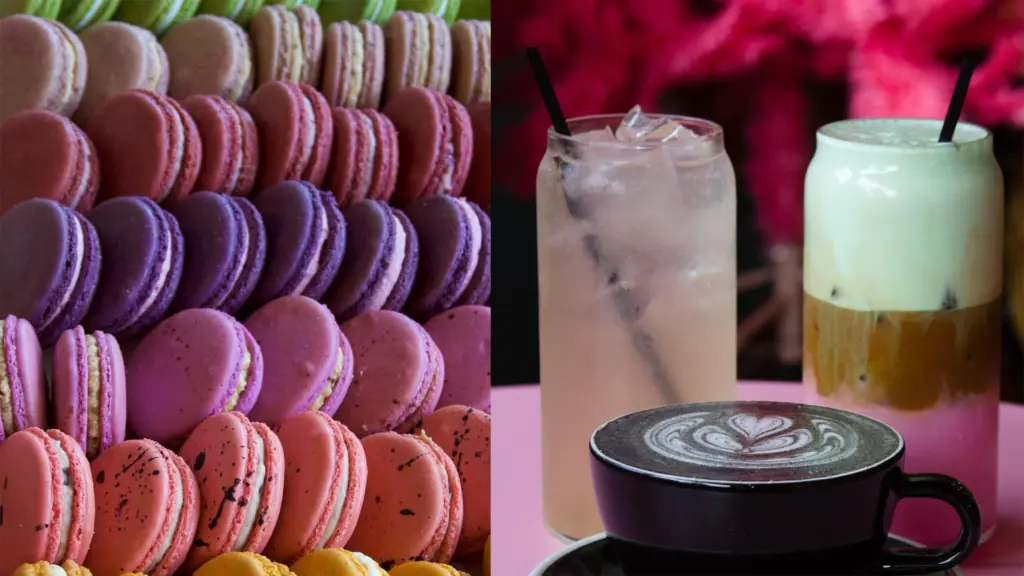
(242, 564)
(425, 569)
(69, 568)
(336, 562)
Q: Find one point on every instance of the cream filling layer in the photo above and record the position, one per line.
(76, 271)
(243, 377)
(83, 178)
(331, 382)
(161, 279)
(394, 269)
(67, 499)
(355, 67)
(314, 261)
(6, 405)
(293, 42)
(371, 144)
(92, 429)
(237, 272)
(172, 12)
(156, 61)
(53, 569)
(339, 504)
(178, 496)
(253, 507)
(368, 564)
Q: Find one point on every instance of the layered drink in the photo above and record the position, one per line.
(902, 298)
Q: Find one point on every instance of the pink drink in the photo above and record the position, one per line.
(902, 299)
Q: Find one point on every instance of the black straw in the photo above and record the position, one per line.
(625, 304)
(956, 103)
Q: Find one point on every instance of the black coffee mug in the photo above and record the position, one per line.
(772, 487)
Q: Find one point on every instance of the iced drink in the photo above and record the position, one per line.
(637, 277)
(902, 298)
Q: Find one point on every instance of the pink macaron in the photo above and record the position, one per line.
(463, 334)
(413, 506)
(324, 484)
(399, 374)
(88, 389)
(295, 133)
(22, 358)
(239, 466)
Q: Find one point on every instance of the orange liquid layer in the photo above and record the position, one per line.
(903, 360)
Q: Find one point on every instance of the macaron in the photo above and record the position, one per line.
(337, 562)
(422, 568)
(419, 48)
(475, 10)
(464, 434)
(23, 405)
(452, 248)
(242, 564)
(353, 75)
(231, 148)
(399, 376)
(42, 65)
(156, 15)
(478, 182)
(311, 33)
(364, 158)
(447, 9)
(89, 389)
(307, 361)
(49, 266)
(239, 466)
(295, 132)
(193, 365)
(48, 500)
(230, 9)
(147, 510)
(435, 143)
(288, 44)
(376, 11)
(413, 505)
(46, 156)
(148, 146)
(81, 14)
(471, 61)
(463, 334)
(121, 57)
(209, 55)
(41, 8)
(68, 568)
(324, 484)
(380, 262)
(143, 252)
(305, 242)
(248, 11)
(225, 251)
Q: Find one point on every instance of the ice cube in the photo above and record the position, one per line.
(638, 127)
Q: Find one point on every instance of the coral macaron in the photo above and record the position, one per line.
(48, 500)
(295, 131)
(239, 466)
(364, 159)
(463, 334)
(147, 510)
(231, 149)
(324, 485)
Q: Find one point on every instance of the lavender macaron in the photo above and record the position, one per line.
(49, 266)
(380, 262)
(305, 241)
(225, 250)
(143, 251)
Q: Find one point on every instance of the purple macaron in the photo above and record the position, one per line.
(225, 250)
(49, 266)
(451, 237)
(478, 291)
(22, 360)
(143, 250)
(380, 262)
(305, 241)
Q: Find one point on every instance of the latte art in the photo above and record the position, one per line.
(750, 441)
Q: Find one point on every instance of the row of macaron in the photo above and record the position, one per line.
(142, 143)
(353, 65)
(236, 485)
(159, 15)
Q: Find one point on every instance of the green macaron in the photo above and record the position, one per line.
(289, 4)
(41, 8)
(377, 11)
(447, 9)
(249, 9)
(156, 15)
(229, 9)
(80, 14)
(475, 10)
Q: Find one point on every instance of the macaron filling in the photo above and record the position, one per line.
(241, 383)
(393, 268)
(71, 65)
(253, 507)
(355, 66)
(370, 567)
(291, 48)
(475, 241)
(314, 261)
(331, 382)
(7, 358)
(67, 496)
(75, 270)
(175, 508)
(94, 378)
(340, 495)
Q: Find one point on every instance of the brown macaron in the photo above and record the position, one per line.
(354, 70)
(471, 61)
(419, 48)
(209, 55)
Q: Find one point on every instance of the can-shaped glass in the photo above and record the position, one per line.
(903, 285)
(637, 288)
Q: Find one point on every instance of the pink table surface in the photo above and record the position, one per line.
(520, 541)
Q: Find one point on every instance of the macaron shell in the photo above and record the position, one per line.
(343, 166)
(420, 117)
(39, 68)
(385, 163)
(23, 360)
(372, 244)
(390, 384)
(478, 181)
(323, 461)
(332, 562)
(478, 290)
(461, 134)
(447, 264)
(209, 55)
(463, 334)
(324, 125)
(311, 32)
(410, 265)
(135, 509)
(471, 66)
(283, 124)
(421, 568)
(242, 564)
(277, 45)
(230, 145)
(83, 290)
(430, 389)
(465, 435)
(374, 67)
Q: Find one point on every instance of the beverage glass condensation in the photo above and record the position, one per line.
(903, 277)
(636, 244)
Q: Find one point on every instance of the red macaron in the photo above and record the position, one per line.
(231, 150)
(148, 145)
(295, 132)
(364, 159)
(435, 143)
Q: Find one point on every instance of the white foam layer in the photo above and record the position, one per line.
(255, 499)
(894, 222)
(178, 497)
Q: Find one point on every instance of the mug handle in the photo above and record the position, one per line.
(929, 560)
